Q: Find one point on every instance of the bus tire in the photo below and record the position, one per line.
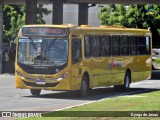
(35, 92)
(126, 85)
(84, 86)
(127, 81)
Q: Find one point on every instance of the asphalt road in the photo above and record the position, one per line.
(156, 74)
(12, 99)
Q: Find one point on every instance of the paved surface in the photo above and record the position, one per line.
(156, 74)
(12, 99)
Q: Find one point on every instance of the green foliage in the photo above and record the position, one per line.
(157, 61)
(41, 11)
(134, 16)
(114, 15)
(14, 19)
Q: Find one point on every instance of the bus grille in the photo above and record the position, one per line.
(46, 85)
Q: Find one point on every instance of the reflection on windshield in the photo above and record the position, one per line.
(42, 52)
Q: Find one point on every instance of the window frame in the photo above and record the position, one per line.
(124, 45)
(85, 50)
(103, 45)
(76, 60)
(94, 46)
(116, 45)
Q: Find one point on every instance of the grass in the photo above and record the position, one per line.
(113, 108)
(157, 61)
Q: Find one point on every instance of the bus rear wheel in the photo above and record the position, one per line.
(127, 81)
(84, 87)
(126, 85)
(35, 92)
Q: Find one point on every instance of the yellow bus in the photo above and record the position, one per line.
(69, 57)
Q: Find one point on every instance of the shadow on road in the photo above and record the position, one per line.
(155, 74)
(94, 94)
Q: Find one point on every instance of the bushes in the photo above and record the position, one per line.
(157, 61)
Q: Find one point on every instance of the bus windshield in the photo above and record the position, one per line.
(43, 51)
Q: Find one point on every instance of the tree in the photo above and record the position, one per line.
(135, 16)
(41, 11)
(14, 19)
(112, 15)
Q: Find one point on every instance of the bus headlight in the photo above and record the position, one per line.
(20, 74)
(62, 76)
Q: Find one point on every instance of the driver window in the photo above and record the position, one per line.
(76, 50)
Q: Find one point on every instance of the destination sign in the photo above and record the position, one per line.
(43, 31)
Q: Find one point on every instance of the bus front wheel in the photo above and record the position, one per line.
(35, 92)
(84, 86)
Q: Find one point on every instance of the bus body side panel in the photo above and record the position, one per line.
(96, 70)
(148, 68)
(101, 72)
(76, 76)
(135, 75)
(105, 76)
(118, 70)
(140, 67)
(132, 66)
(144, 67)
(87, 67)
(78, 70)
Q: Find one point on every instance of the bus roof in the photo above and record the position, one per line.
(61, 30)
(83, 27)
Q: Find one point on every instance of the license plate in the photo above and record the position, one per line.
(40, 82)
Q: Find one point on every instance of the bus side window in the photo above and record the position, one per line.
(124, 45)
(115, 45)
(76, 50)
(106, 45)
(141, 45)
(87, 46)
(96, 46)
(133, 46)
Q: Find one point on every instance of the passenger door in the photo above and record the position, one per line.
(76, 62)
